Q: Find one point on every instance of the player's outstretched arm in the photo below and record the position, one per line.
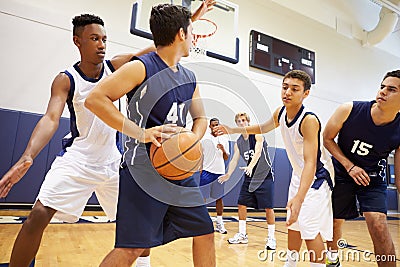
(101, 98)
(265, 127)
(41, 135)
(119, 60)
(205, 7)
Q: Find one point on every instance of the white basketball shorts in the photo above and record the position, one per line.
(69, 184)
(315, 215)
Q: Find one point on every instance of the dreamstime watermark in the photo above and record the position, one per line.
(349, 255)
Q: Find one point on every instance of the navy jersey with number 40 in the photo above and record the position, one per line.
(366, 144)
(164, 97)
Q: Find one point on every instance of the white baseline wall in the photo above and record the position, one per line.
(37, 44)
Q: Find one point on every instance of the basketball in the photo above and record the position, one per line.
(178, 157)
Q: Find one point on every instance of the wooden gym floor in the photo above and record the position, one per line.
(85, 244)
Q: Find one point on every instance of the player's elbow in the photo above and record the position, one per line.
(91, 102)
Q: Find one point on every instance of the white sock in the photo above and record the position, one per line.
(242, 226)
(292, 258)
(219, 219)
(271, 230)
(143, 262)
(313, 264)
(332, 255)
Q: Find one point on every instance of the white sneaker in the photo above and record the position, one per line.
(271, 244)
(220, 228)
(239, 238)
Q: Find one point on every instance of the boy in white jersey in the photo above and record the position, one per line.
(215, 153)
(91, 154)
(309, 200)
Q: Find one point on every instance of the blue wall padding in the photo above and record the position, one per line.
(26, 189)
(17, 127)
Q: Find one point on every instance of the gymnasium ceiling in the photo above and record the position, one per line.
(352, 18)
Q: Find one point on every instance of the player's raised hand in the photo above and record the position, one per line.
(14, 175)
(205, 7)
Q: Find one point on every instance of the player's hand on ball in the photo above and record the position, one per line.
(158, 133)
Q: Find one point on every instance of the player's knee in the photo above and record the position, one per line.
(39, 218)
(131, 253)
(378, 228)
(337, 223)
(209, 238)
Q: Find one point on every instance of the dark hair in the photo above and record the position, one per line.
(165, 22)
(84, 19)
(214, 119)
(301, 75)
(394, 73)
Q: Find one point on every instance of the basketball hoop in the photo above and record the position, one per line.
(202, 29)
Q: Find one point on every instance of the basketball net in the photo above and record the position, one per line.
(203, 29)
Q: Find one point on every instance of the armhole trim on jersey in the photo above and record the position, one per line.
(280, 113)
(302, 119)
(110, 65)
(71, 86)
(67, 142)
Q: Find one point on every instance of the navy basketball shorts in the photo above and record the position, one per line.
(371, 198)
(209, 185)
(144, 221)
(261, 198)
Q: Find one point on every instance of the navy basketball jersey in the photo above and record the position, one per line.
(366, 144)
(247, 149)
(164, 97)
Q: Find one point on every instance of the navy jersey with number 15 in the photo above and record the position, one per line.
(366, 144)
(164, 97)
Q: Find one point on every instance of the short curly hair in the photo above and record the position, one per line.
(394, 73)
(301, 75)
(85, 19)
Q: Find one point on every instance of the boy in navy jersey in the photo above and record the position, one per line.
(258, 186)
(367, 132)
(309, 200)
(91, 161)
(152, 210)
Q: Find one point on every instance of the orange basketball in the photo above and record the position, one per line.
(178, 157)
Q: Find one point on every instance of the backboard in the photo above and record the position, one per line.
(223, 45)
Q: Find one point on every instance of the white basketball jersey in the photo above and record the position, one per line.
(92, 140)
(213, 158)
(294, 143)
